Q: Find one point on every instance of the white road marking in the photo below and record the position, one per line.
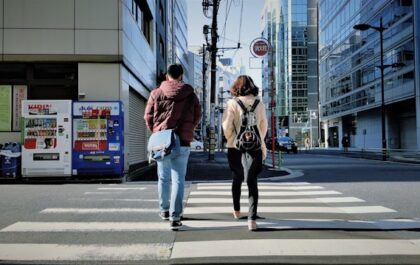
(267, 193)
(55, 252)
(119, 188)
(260, 183)
(85, 226)
(111, 199)
(244, 187)
(385, 224)
(103, 192)
(294, 209)
(273, 201)
(295, 247)
(98, 210)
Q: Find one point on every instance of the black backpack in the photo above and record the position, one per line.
(248, 138)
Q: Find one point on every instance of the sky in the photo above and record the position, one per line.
(231, 34)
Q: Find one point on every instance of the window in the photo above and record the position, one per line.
(161, 47)
(144, 19)
(162, 14)
(133, 7)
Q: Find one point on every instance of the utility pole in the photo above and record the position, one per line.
(213, 53)
(213, 49)
(203, 121)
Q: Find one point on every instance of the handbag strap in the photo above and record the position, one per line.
(184, 112)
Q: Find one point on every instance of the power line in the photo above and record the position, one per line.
(240, 21)
(228, 6)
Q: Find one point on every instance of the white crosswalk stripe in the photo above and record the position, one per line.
(62, 252)
(294, 209)
(98, 210)
(276, 201)
(125, 189)
(267, 193)
(270, 184)
(263, 188)
(84, 226)
(294, 247)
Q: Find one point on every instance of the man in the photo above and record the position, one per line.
(345, 141)
(173, 105)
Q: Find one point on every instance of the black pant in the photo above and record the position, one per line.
(235, 164)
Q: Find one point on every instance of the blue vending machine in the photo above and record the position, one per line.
(98, 138)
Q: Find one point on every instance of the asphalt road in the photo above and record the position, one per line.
(332, 210)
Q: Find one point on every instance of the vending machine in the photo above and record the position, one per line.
(46, 138)
(98, 138)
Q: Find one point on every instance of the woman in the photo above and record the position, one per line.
(245, 90)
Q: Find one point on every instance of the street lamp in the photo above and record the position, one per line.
(363, 27)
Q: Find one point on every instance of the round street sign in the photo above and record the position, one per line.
(259, 47)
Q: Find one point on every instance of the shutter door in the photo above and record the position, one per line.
(138, 135)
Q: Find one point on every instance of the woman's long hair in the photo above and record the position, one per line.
(244, 86)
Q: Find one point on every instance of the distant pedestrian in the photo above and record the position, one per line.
(245, 165)
(307, 143)
(173, 101)
(345, 141)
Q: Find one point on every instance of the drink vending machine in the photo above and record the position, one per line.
(98, 138)
(46, 137)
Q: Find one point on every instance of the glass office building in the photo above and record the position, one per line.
(177, 35)
(350, 81)
(286, 27)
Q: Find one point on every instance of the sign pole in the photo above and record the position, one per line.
(260, 47)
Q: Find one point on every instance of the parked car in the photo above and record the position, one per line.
(268, 144)
(287, 144)
(197, 145)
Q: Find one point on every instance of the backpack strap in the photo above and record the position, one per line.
(254, 106)
(241, 104)
(245, 109)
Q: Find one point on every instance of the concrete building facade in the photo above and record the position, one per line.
(83, 50)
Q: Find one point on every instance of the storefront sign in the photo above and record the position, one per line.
(5, 108)
(19, 93)
(92, 109)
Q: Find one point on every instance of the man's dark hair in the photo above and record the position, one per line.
(175, 70)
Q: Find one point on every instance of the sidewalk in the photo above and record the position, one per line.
(394, 155)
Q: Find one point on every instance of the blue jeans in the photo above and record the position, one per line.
(173, 168)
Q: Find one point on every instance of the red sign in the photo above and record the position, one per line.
(259, 47)
(90, 145)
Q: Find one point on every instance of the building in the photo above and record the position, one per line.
(291, 27)
(350, 80)
(225, 76)
(195, 60)
(177, 35)
(161, 32)
(82, 50)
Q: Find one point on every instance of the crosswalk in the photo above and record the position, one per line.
(121, 224)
